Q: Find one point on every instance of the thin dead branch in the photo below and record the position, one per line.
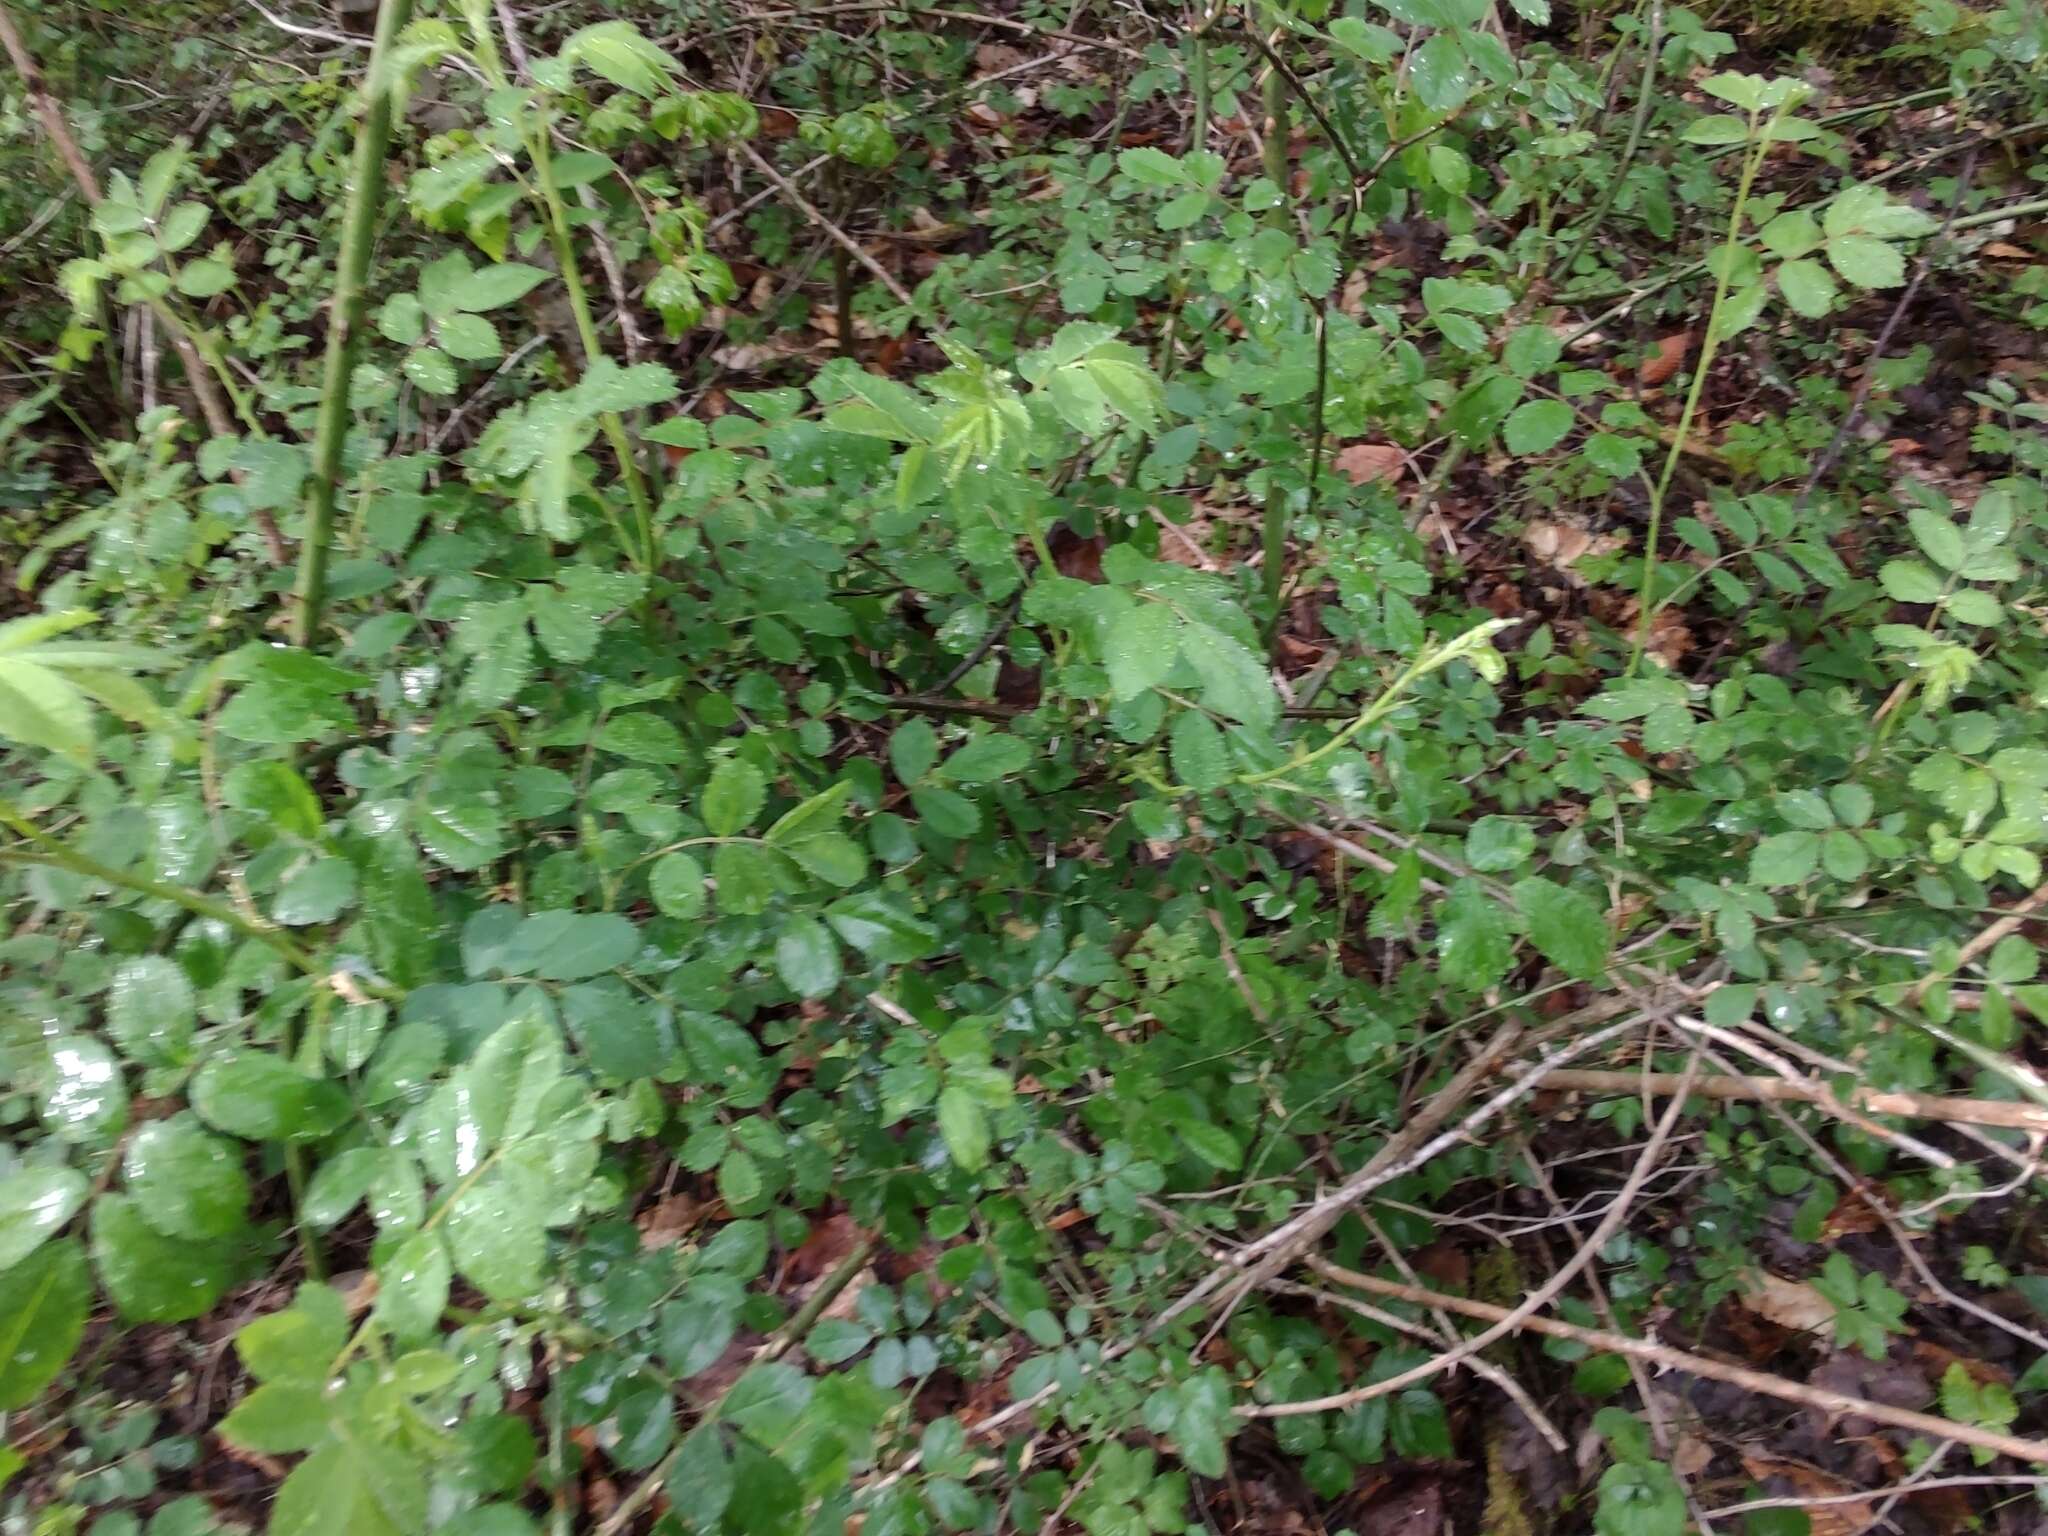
(1840, 1404)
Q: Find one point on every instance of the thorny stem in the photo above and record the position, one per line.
(358, 234)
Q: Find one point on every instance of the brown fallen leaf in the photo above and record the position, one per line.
(1562, 545)
(1789, 1304)
(1362, 462)
(664, 1223)
(1801, 1481)
(1664, 358)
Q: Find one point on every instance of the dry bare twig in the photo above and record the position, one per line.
(1670, 1358)
(1537, 1299)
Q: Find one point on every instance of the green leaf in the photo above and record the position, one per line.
(186, 1182)
(946, 812)
(1480, 408)
(745, 877)
(430, 370)
(1442, 75)
(1200, 757)
(570, 946)
(721, 1053)
(1908, 581)
(836, 1340)
(1234, 680)
(44, 1300)
(1939, 539)
(463, 832)
(1152, 168)
(619, 52)
(740, 1183)
(344, 1490)
(807, 957)
(1497, 843)
(1449, 169)
(260, 1097)
(1474, 940)
(205, 278)
(913, 749)
(1866, 262)
(1869, 210)
(1717, 130)
(153, 1278)
(343, 1180)
(1792, 234)
(873, 923)
(83, 1099)
(497, 1239)
(608, 387)
(181, 226)
(401, 319)
(692, 1332)
(39, 708)
(1537, 426)
(495, 286)
(1639, 1498)
(1807, 287)
(1212, 1144)
(1973, 606)
(1744, 91)
(278, 1419)
(1786, 858)
(676, 884)
(471, 338)
(298, 1343)
(1140, 649)
(412, 1287)
(963, 1125)
(319, 893)
(1566, 925)
(986, 758)
(733, 796)
(35, 1203)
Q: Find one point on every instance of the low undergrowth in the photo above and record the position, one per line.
(892, 768)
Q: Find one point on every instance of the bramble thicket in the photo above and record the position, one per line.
(1246, 766)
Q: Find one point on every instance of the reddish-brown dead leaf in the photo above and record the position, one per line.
(1797, 1480)
(831, 1240)
(664, 1222)
(1664, 358)
(1075, 556)
(1362, 462)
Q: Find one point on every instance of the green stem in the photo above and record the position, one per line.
(1994, 215)
(1273, 549)
(56, 856)
(1752, 162)
(358, 234)
(564, 247)
(1432, 658)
